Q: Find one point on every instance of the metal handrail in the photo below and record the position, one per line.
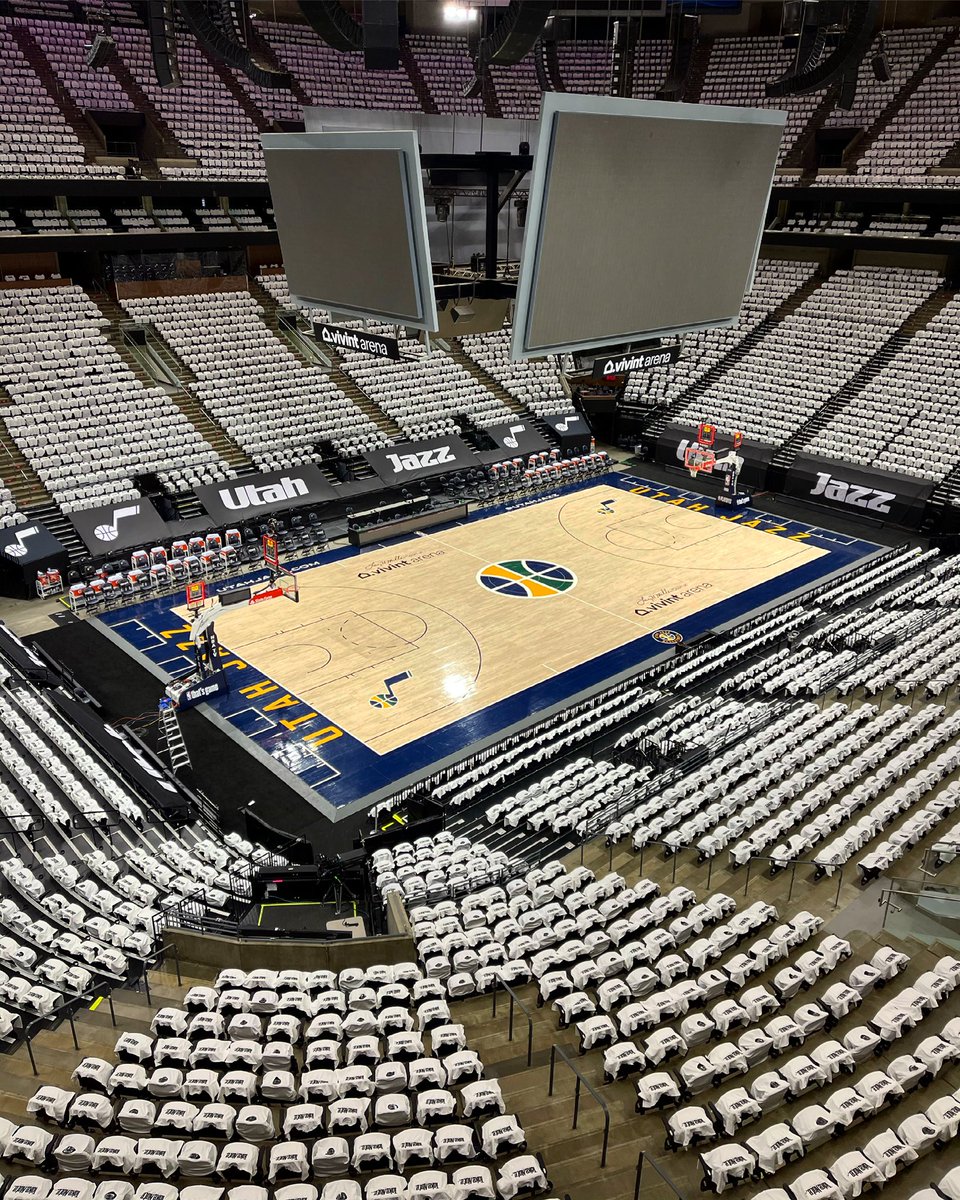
(794, 863)
(792, 866)
(885, 900)
(515, 1000)
(159, 958)
(581, 1081)
(642, 1159)
(894, 891)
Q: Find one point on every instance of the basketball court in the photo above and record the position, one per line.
(398, 657)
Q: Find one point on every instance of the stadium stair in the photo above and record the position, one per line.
(922, 315)
(889, 113)
(58, 524)
(162, 142)
(17, 474)
(491, 102)
(662, 415)
(952, 158)
(252, 111)
(459, 355)
(947, 490)
(271, 318)
(209, 429)
(802, 154)
(417, 79)
(92, 140)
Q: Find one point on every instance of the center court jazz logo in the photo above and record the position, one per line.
(526, 578)
(606, 508)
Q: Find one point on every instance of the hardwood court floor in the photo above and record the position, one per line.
(479, 612)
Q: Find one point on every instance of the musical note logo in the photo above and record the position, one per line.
(110, 532)
(389, 698)
(16, 548)
(511, 440)
(606, 508)
(564, 425)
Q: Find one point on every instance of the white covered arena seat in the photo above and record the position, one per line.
(473, 1183)
(520, 1175)
(29, 1144)
(918, 1132)
(774, 1147)
(288, 1160)
(75, 1152)
(949, 1185)
(481, 1098)
(238, 1160)
(197, 1158)
(413, 1146)
(455, 1143)
(854, 1173)
(330, 1156)
(726, 1166)
(500, 1133)
(888, 1153)
(815, 1185)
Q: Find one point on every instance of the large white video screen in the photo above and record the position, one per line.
(350, 216)
(644, 220)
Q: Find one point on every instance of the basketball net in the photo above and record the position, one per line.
(697, 458)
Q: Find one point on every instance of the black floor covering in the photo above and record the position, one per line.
(222, 770)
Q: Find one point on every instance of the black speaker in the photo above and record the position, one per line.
(516, 31)
(381, 35)
(881, 67)
(335, 26)
(163, 42)
(100, 51)
(680, 58)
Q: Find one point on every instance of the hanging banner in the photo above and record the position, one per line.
(339, 338)
(642, 360)
(859, 491)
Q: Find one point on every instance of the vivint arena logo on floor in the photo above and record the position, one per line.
(854, 494)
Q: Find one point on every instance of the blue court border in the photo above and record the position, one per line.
(337, 773)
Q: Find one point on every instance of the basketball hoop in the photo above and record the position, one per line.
(697, 459)
(282, 584)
